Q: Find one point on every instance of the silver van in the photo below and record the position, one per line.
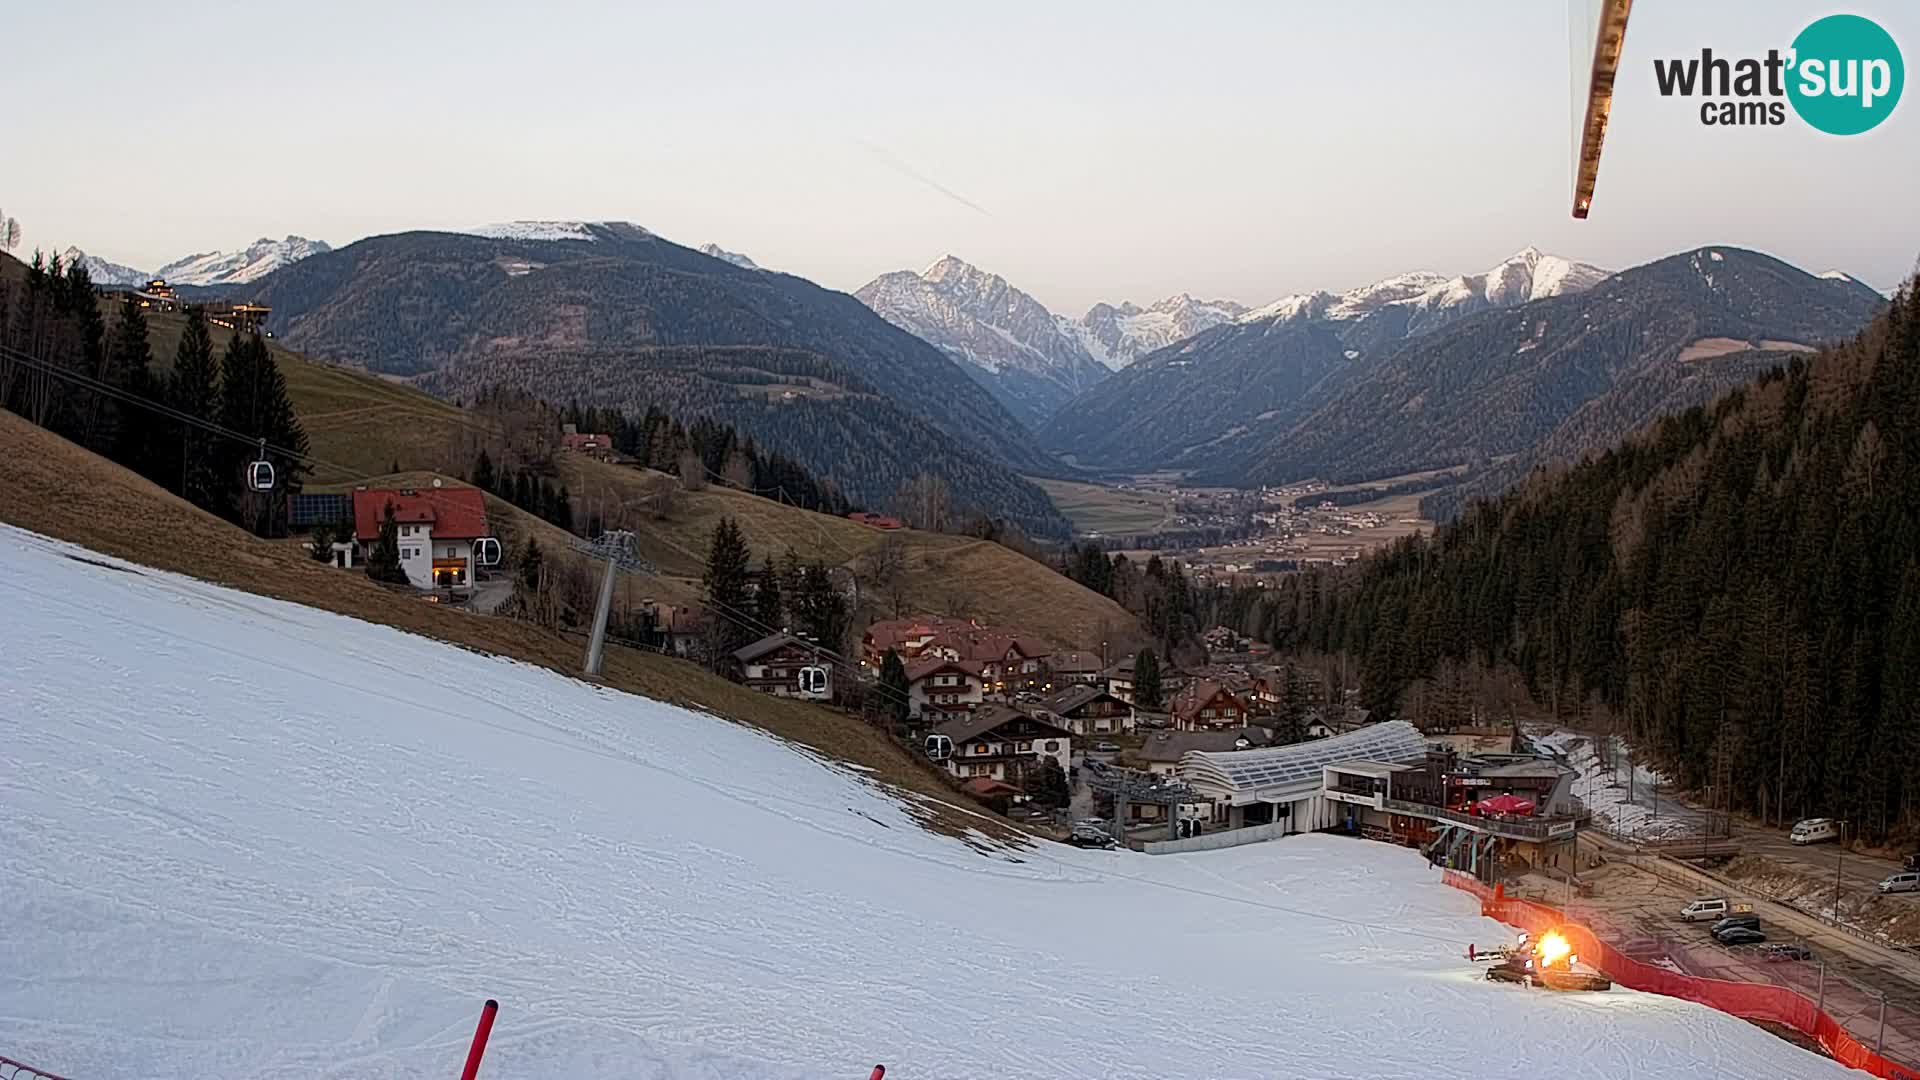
(1905, 881)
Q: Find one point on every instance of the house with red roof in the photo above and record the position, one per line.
(437, 528)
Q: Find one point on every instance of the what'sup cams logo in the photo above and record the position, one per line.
(1842, 75)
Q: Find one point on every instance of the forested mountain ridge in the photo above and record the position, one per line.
(1492, 387)
(616, 316)
(1739, 587)
(1497, 392)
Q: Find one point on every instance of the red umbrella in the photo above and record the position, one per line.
(1506, 804)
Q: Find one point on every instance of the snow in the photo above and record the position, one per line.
(533, 230)
(1527, 275)
(255, 261)
(733, 257)
(103, 272)
(245, 838)
(1835, 275)
(1607, 795)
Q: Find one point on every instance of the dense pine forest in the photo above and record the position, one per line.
(1737, 589)
(63, 367)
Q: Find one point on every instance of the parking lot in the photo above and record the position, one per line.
(1635, 906)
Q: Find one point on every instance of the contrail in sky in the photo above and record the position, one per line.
(905, 169)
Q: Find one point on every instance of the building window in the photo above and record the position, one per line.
(1026, 747)
(1053, 746)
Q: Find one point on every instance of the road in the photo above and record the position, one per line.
(1635, 907)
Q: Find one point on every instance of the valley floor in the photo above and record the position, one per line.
(247, 838)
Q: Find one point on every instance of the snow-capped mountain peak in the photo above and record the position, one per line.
(257, 260)
(734, 257)
(1426, 299)
(1119, 335)
(1030, 358)
(101, 271)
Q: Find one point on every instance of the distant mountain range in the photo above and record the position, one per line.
(1032, 359)
(608, 313)
(1538, 359)
(1187, 402)
(255, 261)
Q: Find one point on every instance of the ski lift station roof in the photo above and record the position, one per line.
(1291, 772)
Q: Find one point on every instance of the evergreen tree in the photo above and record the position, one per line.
(820, 609)
(193, 389)
(563, 509)
(383, 562)
(137, 434)
(531, 565)
(767, 605)
(725, 584)
(1146, 680)
(483, 471)
(894, 687)
(1292, 720)
(254, 402)
(1046, 785)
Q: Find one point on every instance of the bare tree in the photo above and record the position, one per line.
(9, 232)
(886, 571)
(924, 503)
(693, 471)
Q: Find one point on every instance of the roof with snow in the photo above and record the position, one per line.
(456, 513)
(1245, 776)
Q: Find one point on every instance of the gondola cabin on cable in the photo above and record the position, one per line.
(786, 666)
(260, 472)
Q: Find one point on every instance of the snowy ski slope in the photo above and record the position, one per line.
(241, 838)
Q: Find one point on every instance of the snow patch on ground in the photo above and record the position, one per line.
(245, 838)
(1606, 795)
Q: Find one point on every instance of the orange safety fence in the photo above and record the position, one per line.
(1749, 1001)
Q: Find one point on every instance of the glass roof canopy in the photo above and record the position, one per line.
(1247, 771)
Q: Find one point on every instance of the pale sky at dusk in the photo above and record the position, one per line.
(1087, 151)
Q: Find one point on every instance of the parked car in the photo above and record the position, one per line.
(1912, 862)
(1905, 881)
(1085, 835)
(1107, 747)
(1780, 952)
(1814, 830)
(1739, 935)
(1750, 921)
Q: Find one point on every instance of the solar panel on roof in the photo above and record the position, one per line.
(1246, 769)
(305, 511)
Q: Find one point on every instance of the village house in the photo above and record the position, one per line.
(1090, 710)
(1161, 753)
(1119, 679)
(575, 441)
(1075, 669)
(437, 528)
(1008, 663)
(875, 521)
(938, 688)
(672, 628)
(1206, 705)
(997, 742)
(785, 666)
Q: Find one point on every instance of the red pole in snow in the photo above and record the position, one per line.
(879, 1071)
(480, 1039)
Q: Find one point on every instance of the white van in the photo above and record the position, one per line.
(1907, 881)
(1713, 907)
(1814, 830)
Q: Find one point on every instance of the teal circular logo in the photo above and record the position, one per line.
(1846, 75)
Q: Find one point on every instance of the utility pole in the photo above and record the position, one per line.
(1839, 860)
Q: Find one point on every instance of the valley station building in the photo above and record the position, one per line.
(1389, 782)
